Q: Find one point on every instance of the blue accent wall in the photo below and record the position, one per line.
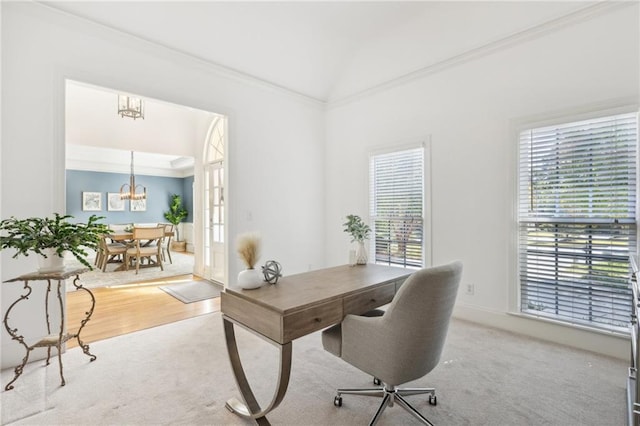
(159, 191)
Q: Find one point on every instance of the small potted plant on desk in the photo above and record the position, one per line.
(175, 215)
(359, 232)
(51, 237)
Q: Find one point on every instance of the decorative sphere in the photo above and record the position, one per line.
(272, 271)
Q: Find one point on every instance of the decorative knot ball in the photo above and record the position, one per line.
(272, 271)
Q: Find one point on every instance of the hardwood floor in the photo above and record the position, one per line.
(125, 309)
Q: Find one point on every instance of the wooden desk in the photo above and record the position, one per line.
(294, 307)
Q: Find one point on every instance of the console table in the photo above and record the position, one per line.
(52, 339)
(294, 307)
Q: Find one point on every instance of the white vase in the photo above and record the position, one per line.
(249, 279)
(51, 263)
(361, 254)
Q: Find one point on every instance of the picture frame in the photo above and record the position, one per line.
(138, 205)
(91, 201)
(114, 202)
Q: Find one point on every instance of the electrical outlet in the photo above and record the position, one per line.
(470, 289)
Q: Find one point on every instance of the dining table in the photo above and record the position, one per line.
(127, 238)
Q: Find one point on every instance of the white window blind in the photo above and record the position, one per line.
(577, 220)
(396, 201)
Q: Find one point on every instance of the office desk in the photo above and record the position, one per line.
(294, 307)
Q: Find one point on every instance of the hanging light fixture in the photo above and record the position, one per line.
(130, 193)
(130, 107)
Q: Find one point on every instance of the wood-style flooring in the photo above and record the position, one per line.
(125, 309)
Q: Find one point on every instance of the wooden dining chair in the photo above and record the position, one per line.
(108, 251)
(166, 242)
(147, 243)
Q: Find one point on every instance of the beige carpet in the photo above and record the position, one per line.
(182, 264)
(179, 374)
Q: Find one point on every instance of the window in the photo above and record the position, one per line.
(396, 201)
(577, 220)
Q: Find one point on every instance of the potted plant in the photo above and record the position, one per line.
(51, 237)
(359, 232)
(175, 215)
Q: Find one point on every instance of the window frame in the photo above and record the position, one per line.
(425, 147)
(521, 125)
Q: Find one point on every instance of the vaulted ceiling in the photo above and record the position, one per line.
(328, 51)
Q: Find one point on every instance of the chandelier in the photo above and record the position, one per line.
(130, 192)
(130, 107)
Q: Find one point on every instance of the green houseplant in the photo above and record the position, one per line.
(52, 236)
(176, 213)
(359, 232)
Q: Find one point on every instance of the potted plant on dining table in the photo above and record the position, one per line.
(51, 237)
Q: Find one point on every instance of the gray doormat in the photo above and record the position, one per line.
(193, 291)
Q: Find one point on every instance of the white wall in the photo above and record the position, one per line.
(471, 110)
(275, 153)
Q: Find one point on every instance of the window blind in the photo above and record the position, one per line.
(577, 220)
(396, 202)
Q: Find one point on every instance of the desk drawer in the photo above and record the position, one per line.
(307, 321)
(360, 303)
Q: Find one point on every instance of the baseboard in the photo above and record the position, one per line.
(613, 345)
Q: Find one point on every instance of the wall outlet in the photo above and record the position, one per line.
(470, 289)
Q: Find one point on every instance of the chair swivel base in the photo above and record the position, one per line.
(390, 394)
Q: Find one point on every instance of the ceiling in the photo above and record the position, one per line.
(327, 51)
(98, 139)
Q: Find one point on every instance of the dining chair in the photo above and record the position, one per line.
(147, 243)
(108, 251)
(166, 242)
(401, 344)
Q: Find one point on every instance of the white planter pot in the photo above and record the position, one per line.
(51, 263)
(249, 279)
(361, 254)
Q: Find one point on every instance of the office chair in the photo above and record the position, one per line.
(402, 344)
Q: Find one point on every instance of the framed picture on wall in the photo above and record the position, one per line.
(138, 205)
(114, 202)
(92, 201)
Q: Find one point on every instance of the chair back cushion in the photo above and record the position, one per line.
(148, 233)
(407, 341)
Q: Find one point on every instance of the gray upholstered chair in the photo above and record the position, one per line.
(402, 344)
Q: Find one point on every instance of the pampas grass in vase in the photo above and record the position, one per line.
(248, 246)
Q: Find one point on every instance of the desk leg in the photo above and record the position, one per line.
(251, 408)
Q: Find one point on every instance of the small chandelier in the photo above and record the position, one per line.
(130, 107)
(130, 193)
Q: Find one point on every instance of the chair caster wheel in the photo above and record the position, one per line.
(376, 381)
(337, 401)
(433, 400)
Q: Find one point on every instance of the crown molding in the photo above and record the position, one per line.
(518, 37)
(107, 167)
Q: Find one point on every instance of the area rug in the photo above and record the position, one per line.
(192, 291)
(182, 264)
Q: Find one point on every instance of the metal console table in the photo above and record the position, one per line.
(51, 339)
